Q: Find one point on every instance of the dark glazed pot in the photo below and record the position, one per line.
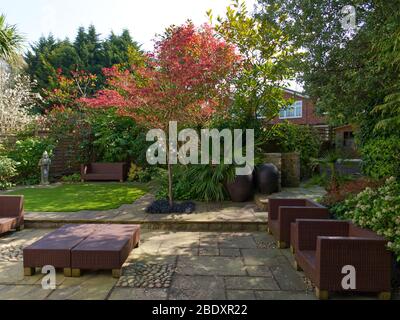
(241, 189)
(267, 178)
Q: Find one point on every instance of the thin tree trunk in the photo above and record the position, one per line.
(170, 175)
(170, 196)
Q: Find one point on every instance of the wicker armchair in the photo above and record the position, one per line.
(11, 213)
(282, 212)
(324, 247)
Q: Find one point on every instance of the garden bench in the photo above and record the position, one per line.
(282, 212)
(104, 172)
(324, 247)
(11, 213)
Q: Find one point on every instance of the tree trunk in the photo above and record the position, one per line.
(170, 176)
(170, 196)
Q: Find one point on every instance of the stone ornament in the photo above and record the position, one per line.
(44, 164)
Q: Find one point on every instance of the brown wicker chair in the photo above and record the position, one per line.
(11, 213)
(324, 247)
(104, 172)
(282, 212)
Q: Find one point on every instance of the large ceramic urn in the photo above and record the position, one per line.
(242, 188)
(267, 178)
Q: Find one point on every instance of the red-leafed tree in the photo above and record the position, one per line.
(185, 79)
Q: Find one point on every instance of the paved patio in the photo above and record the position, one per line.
(168, 265)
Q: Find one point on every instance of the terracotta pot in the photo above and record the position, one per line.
(267, 178)
(241, 189)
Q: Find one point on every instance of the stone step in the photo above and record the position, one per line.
(225, 226)
(261, 201)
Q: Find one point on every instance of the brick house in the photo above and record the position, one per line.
(303, 112)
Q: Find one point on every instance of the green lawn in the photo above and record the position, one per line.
(80, 196)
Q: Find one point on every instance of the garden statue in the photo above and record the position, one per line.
(44, 164)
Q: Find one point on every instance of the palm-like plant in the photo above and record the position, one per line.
(329, 160)
(10, 40)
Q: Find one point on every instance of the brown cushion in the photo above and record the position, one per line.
(55, 248)
(107, 248)
(7, 224)
(101, 176)
(273, 225)
(307, 260)
(355, 231)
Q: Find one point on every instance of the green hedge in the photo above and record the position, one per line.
(381, 157)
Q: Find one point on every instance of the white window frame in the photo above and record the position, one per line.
(286, 112)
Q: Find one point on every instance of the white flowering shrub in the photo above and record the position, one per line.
(378, 210)
(16, 101)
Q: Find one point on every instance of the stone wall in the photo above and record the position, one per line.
(288, 165)
(290, 169)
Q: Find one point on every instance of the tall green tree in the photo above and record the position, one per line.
(268, 59)
(350, 71)
(49, 59)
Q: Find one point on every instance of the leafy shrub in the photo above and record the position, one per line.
(377, 210)
(288, 137)
(98, 135)
(116, 138)
(381, 157)
(349, 188)
(137, 173)
(199, 182)
(7, 172)
(27, 153)
(73, 178)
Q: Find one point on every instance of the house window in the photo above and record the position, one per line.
(348, 139)
(293, 111)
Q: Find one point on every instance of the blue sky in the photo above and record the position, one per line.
(143, 18)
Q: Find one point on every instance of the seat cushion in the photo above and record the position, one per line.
(273, 225)
(107, 248)
(55, 248)
(307, 261)
(7, 224)
(101, 176)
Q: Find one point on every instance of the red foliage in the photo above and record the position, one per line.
(350, 188)
(185, 79)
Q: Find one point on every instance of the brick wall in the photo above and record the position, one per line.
(64, 160)
(309, 115)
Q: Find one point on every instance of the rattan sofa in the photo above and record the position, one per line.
(324, 247)
(11, 213)
(282, 212)
(104, 172)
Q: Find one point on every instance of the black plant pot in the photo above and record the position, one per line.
(241, 189)
(267, 178)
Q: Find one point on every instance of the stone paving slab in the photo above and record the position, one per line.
(235, 266)
(197, 288)
(138, 294)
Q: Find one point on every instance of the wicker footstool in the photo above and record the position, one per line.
(55, 248)
(105, 249)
